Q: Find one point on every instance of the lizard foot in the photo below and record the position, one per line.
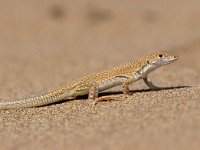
(105, 98)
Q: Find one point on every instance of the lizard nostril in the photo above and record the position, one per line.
(176, 57)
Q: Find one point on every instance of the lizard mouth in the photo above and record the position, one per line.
(169, 60)
(174, 58)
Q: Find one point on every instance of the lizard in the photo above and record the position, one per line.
(92, 85)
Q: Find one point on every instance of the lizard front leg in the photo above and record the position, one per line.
(148, 82)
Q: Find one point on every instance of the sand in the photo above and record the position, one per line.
(45, 44)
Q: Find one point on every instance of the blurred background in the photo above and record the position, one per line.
(47, 43)
(97, 26)
(59, 40)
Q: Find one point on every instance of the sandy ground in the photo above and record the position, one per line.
(44, 45)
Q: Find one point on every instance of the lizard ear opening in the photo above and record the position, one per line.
(148, 62)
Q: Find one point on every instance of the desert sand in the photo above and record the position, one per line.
(45, 44)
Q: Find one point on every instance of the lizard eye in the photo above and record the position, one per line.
(160, 55)
(147, 61)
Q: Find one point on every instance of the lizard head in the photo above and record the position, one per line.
(160, 58)
(155, 61)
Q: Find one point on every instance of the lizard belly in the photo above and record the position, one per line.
(107, 84)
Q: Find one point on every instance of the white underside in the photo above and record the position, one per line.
(107, 84)
(110, 83)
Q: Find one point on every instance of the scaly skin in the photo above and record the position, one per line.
(93, 84)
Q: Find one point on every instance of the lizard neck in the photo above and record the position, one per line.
(146, 69)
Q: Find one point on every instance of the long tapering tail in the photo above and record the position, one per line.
(46, 99)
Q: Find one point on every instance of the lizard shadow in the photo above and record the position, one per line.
(142, 90)
(85, 97)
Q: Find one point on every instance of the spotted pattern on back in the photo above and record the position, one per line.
(117, 71)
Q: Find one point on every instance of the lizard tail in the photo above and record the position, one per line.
(46, 99)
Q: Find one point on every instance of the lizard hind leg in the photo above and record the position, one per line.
(125, 88)
(93, 96)
(105, 98)
(125, 85)
(93, 93)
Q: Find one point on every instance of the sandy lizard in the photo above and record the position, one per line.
(93, 84)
